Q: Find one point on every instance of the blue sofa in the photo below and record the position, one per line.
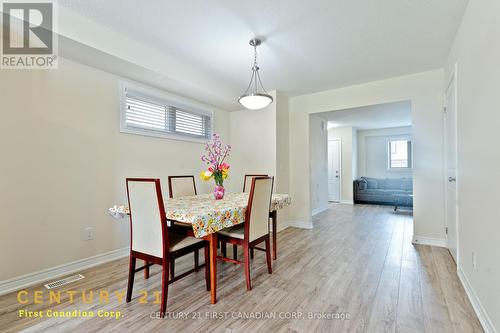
(381, 191)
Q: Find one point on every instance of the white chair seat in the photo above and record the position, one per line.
(237, 231)
(178, 242)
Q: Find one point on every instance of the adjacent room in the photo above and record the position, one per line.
(368, 157)
(264, 166)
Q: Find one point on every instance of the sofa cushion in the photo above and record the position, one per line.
(392, 192)
(407, 184)
(393, 184)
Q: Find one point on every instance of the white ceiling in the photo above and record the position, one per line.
(309, 45)
(371, 117)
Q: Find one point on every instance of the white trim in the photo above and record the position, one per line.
(452, 79)
(282, 226)
(439, 242)
(320, 209)
(299, 224)
(476, 303)
(30, 279)
(347, 202)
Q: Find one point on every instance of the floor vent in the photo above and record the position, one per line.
(62, 282)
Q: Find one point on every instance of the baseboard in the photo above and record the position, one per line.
(347, 202)
(439, 242)
(31, 279)
(476, 303)
(282, 226)
(299, 224)
(320, 209)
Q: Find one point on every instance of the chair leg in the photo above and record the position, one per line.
(131, 273)
(268, 256)
(172, 267)
(223, 249)
(235, 252)
(164, 288)
(251, 253)
(196, 260)
(246, 252)
(207, 266)
(146, 270)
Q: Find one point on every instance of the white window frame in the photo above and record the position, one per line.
(158, 96)
(388, 152)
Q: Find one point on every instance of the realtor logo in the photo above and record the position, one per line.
(28, 40)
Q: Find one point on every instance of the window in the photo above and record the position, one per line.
(400, 154)
(149, 113)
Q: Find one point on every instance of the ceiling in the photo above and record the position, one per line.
(388, 115)
(309, 46)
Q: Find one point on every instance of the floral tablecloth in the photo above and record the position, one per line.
(206, 214)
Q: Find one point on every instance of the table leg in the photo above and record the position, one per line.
(274, 222)
(213, 267)
(146, 270)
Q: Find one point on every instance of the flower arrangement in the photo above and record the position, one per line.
(218, 170)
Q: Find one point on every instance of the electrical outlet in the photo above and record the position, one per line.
(88, 233)
(474, 264)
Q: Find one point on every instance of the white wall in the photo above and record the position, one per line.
(318, 138)
(372, 152)
(253, 138)
(64, 162)
(425, 92)
(477, 52)
(348, 140)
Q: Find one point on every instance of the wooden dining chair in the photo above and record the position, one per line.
(247, 181)
(150, 238)
(255, 229)
(181, 186)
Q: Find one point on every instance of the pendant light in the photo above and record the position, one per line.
(253, 99)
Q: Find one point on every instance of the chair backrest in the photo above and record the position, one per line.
(181, 186)
(148, 231)
(247, 182)
(259, 203)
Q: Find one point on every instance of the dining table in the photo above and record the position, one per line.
(206, 216)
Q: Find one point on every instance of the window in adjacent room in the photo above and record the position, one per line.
(400, 154)
(150, 113)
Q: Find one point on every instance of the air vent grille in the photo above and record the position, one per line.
(62, 282)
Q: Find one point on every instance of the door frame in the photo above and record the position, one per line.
(340, 166)
(451, 79)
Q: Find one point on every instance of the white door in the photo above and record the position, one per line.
(334, 170)
(451, 168)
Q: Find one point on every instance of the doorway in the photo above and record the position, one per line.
(450, 120)
(334, 174)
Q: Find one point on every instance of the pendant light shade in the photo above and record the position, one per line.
(254, 99)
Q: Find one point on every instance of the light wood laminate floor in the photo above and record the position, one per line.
(358, 260)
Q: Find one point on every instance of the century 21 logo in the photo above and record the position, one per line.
(33, 22)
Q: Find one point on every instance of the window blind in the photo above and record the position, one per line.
(156, 117)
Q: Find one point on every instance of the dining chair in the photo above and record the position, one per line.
(255, 229)
(181, 186)
(150, 238)
(247, 181)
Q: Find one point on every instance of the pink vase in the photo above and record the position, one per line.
(219, 192)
